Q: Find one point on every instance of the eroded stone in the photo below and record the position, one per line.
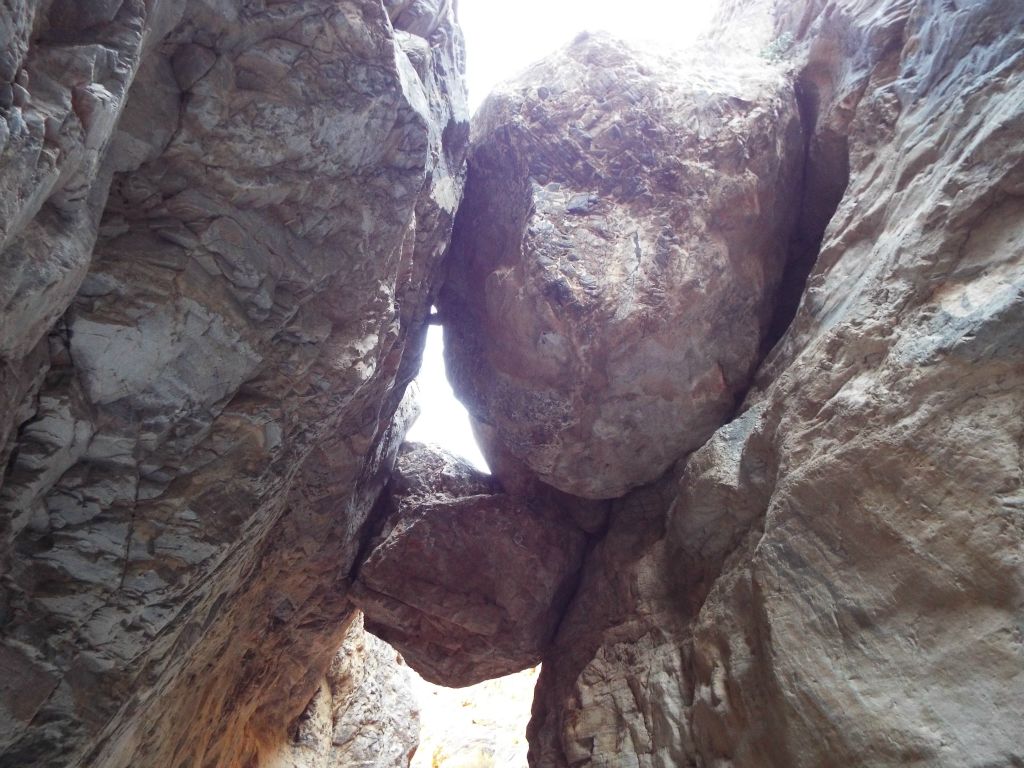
(615, 260)
(467, 582)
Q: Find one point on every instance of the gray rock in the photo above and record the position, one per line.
(200, 399)
(838, 580)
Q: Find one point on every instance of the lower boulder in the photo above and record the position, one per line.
(467, 582)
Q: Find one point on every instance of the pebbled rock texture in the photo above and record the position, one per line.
(363, 714)
(615, 262)
(467, 582)
(836, 577)
(197, 390)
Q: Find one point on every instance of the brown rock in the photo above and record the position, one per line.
(467, 582)
(615, 261)
(364, 713)
(839, 579)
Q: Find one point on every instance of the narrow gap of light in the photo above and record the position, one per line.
(443, 420)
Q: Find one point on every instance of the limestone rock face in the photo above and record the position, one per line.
(616, 259)
(197, 391)
(836, 578)
(363, 714)
(467, 582)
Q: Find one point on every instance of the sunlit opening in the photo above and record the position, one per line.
(443, 420)
(503, 39)
(482, 726)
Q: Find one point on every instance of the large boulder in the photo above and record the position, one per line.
(615, 262)
(467, 582)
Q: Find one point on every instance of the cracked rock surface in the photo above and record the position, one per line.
(615, 261)
(835, 578)
(364, 712)
(467, 582)
(221, 227)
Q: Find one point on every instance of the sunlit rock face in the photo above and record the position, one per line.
(197, 391)
(365, 712)
(482, 726)
(615, 261)
(835, 577)
(467, 582)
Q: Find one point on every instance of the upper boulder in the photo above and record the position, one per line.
(616, 257)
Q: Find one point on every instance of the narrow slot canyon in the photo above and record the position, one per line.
(442, 384)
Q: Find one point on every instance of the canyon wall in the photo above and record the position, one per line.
(222, 222)
(739, 328)
(835, 578)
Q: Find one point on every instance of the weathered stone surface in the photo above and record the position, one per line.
(840, 573)
(467, 582)
(60, 100)
(363, 714)
(615, 262)
(200, 393)
(198, 400)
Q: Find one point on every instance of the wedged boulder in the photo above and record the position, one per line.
(466, 581)
(615, 261)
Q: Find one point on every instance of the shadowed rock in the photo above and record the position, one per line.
(220, 228)
(466, 581)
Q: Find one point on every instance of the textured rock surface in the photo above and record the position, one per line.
(615, 262)
(467, 582)
(838, 580)
(60, 101)
(198, 408)
(220, 226)
(363, 714)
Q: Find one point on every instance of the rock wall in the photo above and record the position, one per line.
(835, 578)
(221, 227)
(364, 712)
(742, 336)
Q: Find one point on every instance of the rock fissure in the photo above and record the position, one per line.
(824, 178)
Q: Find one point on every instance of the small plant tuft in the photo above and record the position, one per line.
(778, 49)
